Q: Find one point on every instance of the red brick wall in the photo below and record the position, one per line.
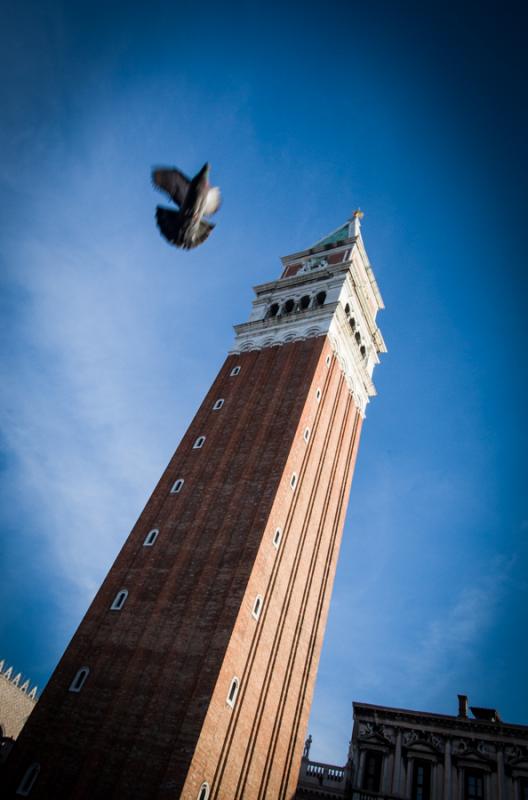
(152, 715)
(255, 748)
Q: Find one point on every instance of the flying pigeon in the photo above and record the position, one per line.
(196, 199)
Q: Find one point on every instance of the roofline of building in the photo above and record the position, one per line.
(441, 718)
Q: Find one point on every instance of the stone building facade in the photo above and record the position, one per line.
(17, 701)
(397, 754)
(192, 672)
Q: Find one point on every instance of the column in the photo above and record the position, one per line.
(408, 782)
(361, 770)
(388, 766)
(447, 770)
(500, 775)
(397, 764)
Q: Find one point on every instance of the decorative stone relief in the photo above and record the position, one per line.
(513, 754)
(388, 734)
(409, 738)
(312, 264)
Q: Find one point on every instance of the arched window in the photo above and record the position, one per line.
(320, 298)
(219, 403)
(347, 309)
(151, 537)
(232, 693)
(30, 776)
(119, 600)
(328, 360)
(273, 310)
(289, 305)
(293, 480)
(353, 323)
(277, 537)
(203, 794)
(306, 434)
(79, 680)
(357, 337)
(304, 302)
(234, 372)
(257, 607)
(363, 350)
(199, 443)
(177, 486)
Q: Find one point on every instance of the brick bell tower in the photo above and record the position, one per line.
(191, 675)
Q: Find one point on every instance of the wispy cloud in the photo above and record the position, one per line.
(453, 638)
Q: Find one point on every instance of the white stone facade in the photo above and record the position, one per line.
(462, 758)
(397, 754)
(327, 290)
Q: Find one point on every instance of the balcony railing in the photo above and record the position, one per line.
(317, 775)
(315, 769)
(368, 794)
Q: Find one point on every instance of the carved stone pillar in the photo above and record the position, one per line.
(361, 769)
(397, 764)
(408, 782)
(386, 776)
(501, 795)
(447, 771)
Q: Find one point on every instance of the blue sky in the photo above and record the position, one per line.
(416, 113)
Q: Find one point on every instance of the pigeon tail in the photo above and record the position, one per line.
(174, 226)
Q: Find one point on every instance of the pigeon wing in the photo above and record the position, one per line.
(213, 201)
(169, 223)
(172, 181)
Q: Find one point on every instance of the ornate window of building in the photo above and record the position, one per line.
(30, 776)
(372, 771)
(79, 680)
(421, 786)
(473, 785)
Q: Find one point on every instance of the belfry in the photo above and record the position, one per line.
(191, 675)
